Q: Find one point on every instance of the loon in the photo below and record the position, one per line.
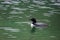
(36, 24)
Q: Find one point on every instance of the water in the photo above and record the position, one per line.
(10, 29)
(15, 19)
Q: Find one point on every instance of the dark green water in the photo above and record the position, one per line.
(13, 14)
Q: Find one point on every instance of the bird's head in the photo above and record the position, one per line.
(33, 20)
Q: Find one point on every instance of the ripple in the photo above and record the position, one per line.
(15, 12)
(5, 33)
(6, 2)
(28, 15)
(10, 2)
(57, 4)
(46, 20)
(52, 36)
(3, 8)
(3, 13)
(12, 16)
(26, 1)
(10, 29)
(12, 37)
(7, 6)
(33, 10)
(52, 0)
(45, 7)
(15, 2)
(20, 17)
(52, 11)
(23, 22)
(16, 8)
(47, 14)
(38, 2)
(30, 7)
(9, 17)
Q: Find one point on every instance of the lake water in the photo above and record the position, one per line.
(15, 23)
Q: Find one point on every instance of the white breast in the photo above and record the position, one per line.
(32, 25)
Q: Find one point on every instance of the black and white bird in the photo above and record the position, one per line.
(36, 24)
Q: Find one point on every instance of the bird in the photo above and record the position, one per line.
(34, 23)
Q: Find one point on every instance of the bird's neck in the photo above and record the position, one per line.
(33, 22)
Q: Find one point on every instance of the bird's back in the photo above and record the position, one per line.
(41, 25)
